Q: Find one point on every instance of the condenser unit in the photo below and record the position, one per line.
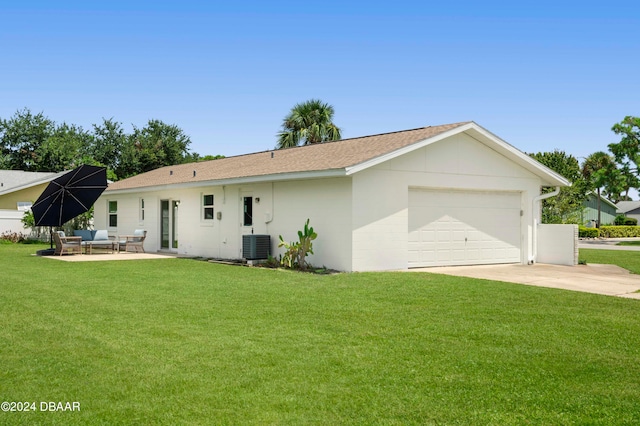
(256, 246)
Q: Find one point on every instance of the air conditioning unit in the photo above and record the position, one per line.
(256, 246)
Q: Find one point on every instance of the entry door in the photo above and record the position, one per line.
(174, 224)
(246, 215)
(169, 224)
(463, 227)
(165, 224)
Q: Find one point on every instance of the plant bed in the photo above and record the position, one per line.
(235, 262)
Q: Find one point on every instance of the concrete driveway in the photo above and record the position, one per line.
(608, 244)
(610, 280)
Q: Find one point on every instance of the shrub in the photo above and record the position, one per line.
(619, 231)
(297, 251)
(584, 232)
(12, 237)
(619, 220)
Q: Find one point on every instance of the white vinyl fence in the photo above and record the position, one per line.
(10, 221)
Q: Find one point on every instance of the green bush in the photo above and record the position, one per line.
(584, 232)
(619, 231)
(621, 220)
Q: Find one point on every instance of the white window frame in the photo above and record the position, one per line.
(110, 213)
(204, 207)
(24, 206)
(141, 210)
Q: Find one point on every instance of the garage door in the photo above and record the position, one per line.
(463, 228)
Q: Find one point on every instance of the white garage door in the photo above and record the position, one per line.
(463, 228)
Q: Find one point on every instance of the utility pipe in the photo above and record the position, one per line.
(534, 211)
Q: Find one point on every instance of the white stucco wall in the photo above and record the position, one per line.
(558, 244)
(380, 195)
(327, 203)
(282, 209)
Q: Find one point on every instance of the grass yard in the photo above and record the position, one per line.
(626, 259)
(181, 341)
(629, 243)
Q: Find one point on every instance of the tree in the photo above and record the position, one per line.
(566, 207)
(627, 151)
(35, 143)
(628, 180)
(155, 145)
(308, 123)
(62, 150)
(194, 157)
(600, 171)
(109, 139)
(21, 140)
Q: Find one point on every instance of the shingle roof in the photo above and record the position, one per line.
(627, 206)
(29, 179)
(318, 157)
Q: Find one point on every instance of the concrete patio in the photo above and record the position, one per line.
(111, 256)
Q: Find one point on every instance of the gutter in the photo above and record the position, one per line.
(534, 220)
(329, 173)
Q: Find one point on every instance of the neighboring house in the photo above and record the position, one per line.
(445, 195)
(18, 190)
(629, 209)
(608, 210)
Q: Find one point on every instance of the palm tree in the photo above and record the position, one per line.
(599, 170)
(307, 123)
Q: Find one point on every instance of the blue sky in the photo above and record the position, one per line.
(541, 75)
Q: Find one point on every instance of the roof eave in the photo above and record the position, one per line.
(32, 183)
(279, 177)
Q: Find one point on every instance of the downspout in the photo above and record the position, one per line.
(534, 231)
(269, 215)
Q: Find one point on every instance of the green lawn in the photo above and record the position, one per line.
(629, 243)
(626, 259)
(181, 341)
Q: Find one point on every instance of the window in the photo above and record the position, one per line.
(248, 211)
(141, 209)
(207, 207)
(24, 206)
(113, 214)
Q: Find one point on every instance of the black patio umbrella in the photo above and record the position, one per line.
(69, 196)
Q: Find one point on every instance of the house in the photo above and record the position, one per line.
(629, 209)
(454, 194)
(608, 210)
(18, 191)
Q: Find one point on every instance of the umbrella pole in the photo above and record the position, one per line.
(50, 237)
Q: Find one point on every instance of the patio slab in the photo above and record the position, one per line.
(110, 256)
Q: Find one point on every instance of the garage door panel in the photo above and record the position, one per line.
(457, 228)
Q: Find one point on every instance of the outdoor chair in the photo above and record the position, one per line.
(69, 245)
(134, 242)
